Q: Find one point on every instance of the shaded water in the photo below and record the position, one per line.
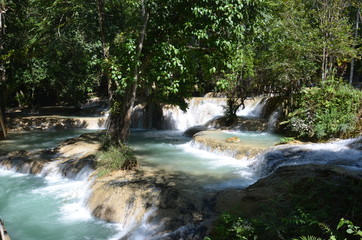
(36, 140)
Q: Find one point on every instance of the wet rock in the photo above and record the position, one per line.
(250, 201)
(4, 235)
(24, 162)
(85, 145)
(52, 122)
(233, 140)
(193, 130)
(241, 124)
(127, 197)
(357, 144)
(232, 147)
(71, 156)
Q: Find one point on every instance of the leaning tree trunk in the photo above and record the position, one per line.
(2, 62)
(120, 117)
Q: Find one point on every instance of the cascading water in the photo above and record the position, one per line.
(339, 153)
(273, 119)
(49, 206)
(200, 110)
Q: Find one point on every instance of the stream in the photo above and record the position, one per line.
(49, 206)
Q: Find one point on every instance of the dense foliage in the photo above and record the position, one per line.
(308, 207)
(163, 51)
(331, 110)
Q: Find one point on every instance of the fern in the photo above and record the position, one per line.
(309, 238)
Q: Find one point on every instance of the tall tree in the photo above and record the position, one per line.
(3, 10)
(335, 33)
(186, 44)
(122, 106)
(358, 20)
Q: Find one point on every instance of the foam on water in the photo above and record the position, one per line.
(141, 231)
(48, 208)
(338, 153)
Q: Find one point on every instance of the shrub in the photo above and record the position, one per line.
(115, 158)
(331, 110)
(304, 208)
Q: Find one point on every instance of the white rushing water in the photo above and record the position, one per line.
(48, 207)
(200, 110)
(339, 153)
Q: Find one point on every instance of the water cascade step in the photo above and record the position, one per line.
(199, 112)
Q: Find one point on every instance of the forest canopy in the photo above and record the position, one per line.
(165, 51)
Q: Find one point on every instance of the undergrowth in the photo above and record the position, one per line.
(115, 158)
(331, 110)
(304, 211)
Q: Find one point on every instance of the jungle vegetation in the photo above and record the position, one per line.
(165, 51)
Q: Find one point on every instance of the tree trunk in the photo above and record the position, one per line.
(2, 62)
(355, 36)
(105, 79)
(2, 126)
(121, 112)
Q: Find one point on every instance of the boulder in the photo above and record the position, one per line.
(240, 124)
(233, 147)
(233, 140)
(193, 130)
(252, 200)
(71, 157)
(167, 200)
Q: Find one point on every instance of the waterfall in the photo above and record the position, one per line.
(200, 110)
(273, 120)
(253, 108)
(340, 153)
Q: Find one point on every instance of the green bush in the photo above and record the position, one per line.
(331, 110)
(305, 208)
(115, 158)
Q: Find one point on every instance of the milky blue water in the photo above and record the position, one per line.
(36, 208)
(52, 207)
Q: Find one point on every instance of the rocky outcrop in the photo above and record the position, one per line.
(26, 162)
(53, 122)
(357, 144)
(279, 185)
(240, 124)
(167, 199)
(193, 130)
(233, 147)
(71, 157)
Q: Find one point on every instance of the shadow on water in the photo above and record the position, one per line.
(36, 140)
